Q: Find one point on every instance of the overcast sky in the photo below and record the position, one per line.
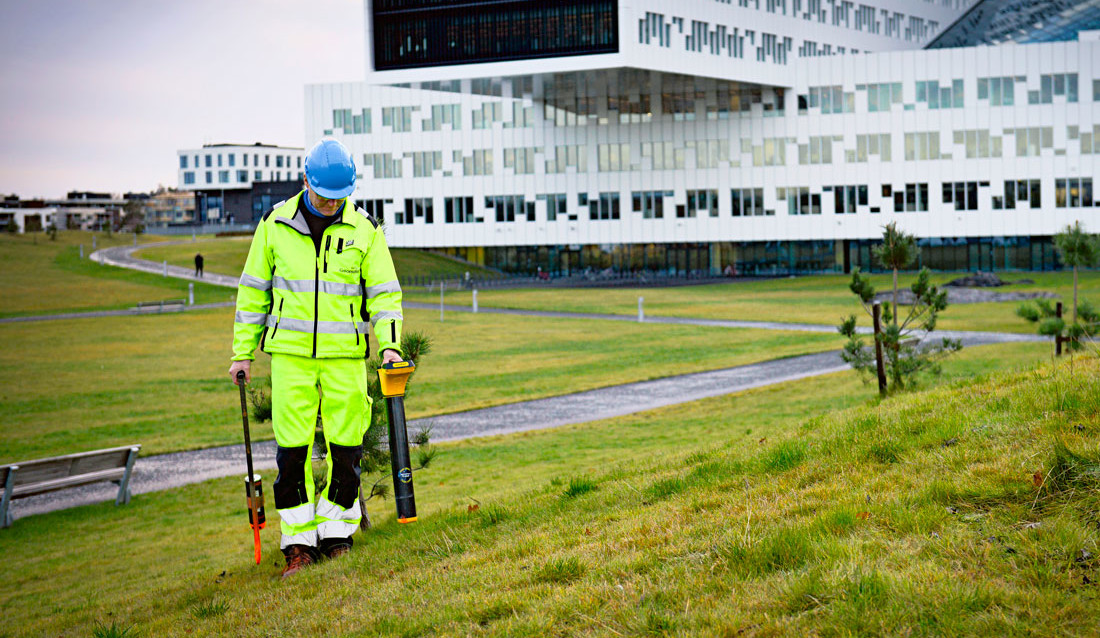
(99, 95)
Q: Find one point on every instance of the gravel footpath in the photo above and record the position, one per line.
(166, 471)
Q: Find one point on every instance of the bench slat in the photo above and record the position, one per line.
(69, 481)
(38, 472)
(105, 461)
(78, 455)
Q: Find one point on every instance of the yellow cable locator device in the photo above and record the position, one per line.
(393, 376)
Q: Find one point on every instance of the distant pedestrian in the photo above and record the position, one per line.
(198, 265)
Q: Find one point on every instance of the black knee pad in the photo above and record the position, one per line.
(290, 486)
(344, 488)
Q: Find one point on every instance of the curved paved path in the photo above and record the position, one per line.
(166, 471)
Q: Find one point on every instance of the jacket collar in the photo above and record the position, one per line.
(297, 219)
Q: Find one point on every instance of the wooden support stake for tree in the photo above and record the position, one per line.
(1058, 337)
(881, 364)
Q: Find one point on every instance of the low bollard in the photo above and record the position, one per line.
(475, 299)
(82, 251)
(190, 294)
(165, 267)
(641, 312)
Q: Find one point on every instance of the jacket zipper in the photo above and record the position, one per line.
(316, 294)
(278, 319)
(328, 244)
(351, 311)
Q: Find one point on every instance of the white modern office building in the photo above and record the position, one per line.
(237, 183)
(237, 165)
(766, 135)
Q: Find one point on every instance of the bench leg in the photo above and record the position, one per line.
(124, 484)
(6, 518)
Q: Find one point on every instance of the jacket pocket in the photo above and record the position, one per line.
(278, 318)
(354, 324)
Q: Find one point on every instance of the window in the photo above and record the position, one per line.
(417, 207)
(614, 157)
(209, 177)
(508, 207)
(748, 202)
(651, 204)
(398, 118)
(242, 176)
(223, 177)
(183, 161)
(219, 160)
(350, 124)
(443, 114)
(941, 97)
(375, 208)
(385, 165)
(701, 201)
(574, 155)
(963, 194)
(520, 160)
(846, 198)
(458, 210)
(556, 206)
(605, 207)
(209, 161)
(479, 163)
(232, 159)
(416, 33)
(819, 150)
(257, 176)
(278, 161)
(189, 177)
(425, 163)
(923, 146)
(1073, 192)
(244, 159)
(665, 155)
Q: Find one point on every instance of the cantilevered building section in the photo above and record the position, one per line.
(769, 135)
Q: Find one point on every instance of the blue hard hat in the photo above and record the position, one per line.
(330, 169)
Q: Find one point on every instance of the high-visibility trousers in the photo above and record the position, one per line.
(299, 387)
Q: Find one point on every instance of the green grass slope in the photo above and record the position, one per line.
(226, 255)
(968, 509)
(162, 381)
(822, 299)
(43, 277)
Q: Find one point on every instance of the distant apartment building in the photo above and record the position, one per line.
(229, 182)
(766, 135)
(170, 207)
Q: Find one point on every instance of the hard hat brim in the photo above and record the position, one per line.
(329, 193)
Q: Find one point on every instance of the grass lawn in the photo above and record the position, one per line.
(800, 509)
(819, 299)
(82, 384)
(49, 277)
(226, 255)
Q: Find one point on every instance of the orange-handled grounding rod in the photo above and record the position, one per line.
(253, 485)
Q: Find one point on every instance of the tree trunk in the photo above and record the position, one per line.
(895, 298)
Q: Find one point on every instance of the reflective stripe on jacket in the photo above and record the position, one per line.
(295, 299)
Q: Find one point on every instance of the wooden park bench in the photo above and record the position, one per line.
(172, 305)
(48, 475)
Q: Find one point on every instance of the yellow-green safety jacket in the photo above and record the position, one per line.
(295, 299)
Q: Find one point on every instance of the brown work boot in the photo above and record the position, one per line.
(297, 557)
(336, 551)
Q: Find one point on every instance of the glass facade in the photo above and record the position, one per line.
(422, 33)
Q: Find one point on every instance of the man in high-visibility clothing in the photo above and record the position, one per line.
(318, 270)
